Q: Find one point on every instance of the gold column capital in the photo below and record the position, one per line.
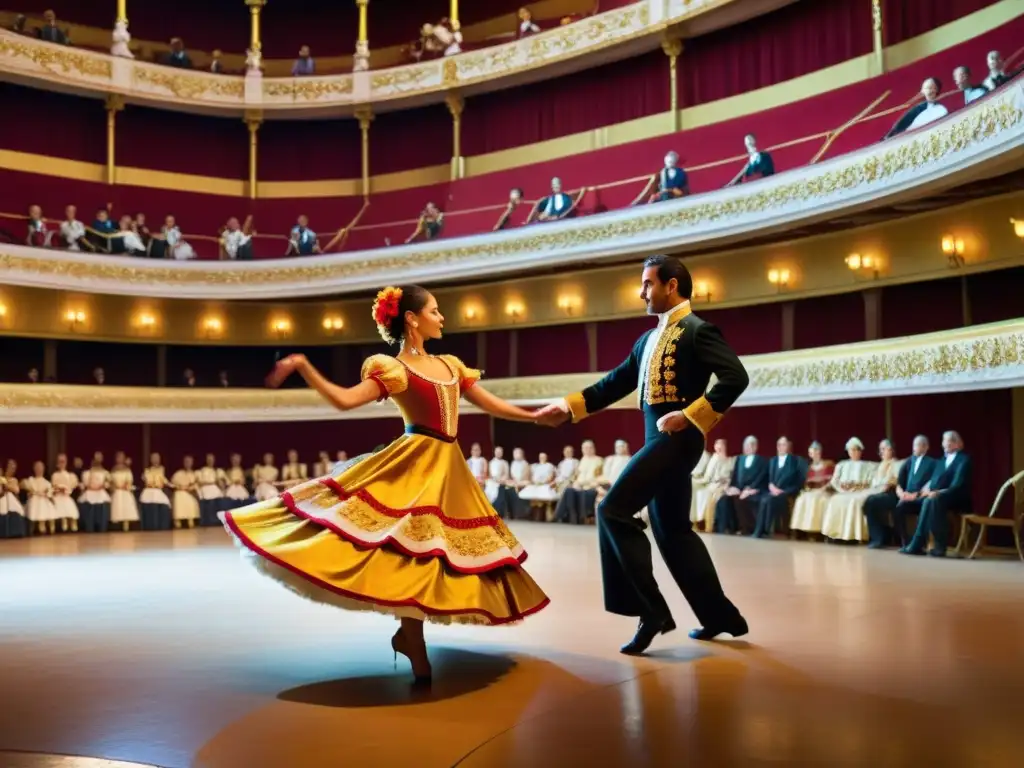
(362, 3)
(122, 12)
(253, 118)
(365, 116)
(255, 5)
(672, 47)
(455, 103)
(453, 15)
(114, 103)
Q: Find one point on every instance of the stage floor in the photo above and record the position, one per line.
(165, 649)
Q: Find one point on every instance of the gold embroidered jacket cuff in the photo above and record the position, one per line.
(577, 406)
(702, 415)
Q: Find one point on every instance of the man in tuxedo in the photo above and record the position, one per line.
(671, 367)
(786, 475)
(738, 507)
(905, 500)
(948, 490)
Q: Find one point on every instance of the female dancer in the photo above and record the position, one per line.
(405, 530)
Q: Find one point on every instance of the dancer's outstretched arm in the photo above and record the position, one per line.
(342, 398)
(495, 406)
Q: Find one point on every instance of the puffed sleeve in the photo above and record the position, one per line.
(467, 376)
(388, 373)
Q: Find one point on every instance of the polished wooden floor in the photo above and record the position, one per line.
(165, 649)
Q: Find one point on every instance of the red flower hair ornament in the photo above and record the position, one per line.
(385, 309)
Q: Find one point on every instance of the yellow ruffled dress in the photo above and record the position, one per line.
(406, 530)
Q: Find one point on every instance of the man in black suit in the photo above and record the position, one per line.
(786, 475)
(738, 506)
(671, 366)
(905, 499)
(949, 490)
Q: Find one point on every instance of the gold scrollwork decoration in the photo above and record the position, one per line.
(57, 60)
(309, 90)
(190, 87)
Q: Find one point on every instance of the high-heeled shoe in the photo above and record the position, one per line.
(399, 645)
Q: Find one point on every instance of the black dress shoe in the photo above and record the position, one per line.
(737, 628)
(645, 634)
(907, 550)
(936, 553)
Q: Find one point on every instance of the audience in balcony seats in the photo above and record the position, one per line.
(188, 378)
(737, 508)
(131, 241)
(899, 501)
(304, 65)
(222, 381)
(72, 231)
(437, 40)
(19, 24)
(50, 32)
(710, 484)
(177, 247)
(99, 376)
(120, 39)
(851, 482)
(302, 241)
(948, 491)
(578, 501)
(526, 26)
(477, 464)
(928, 111)
(962, 79)
(996, 71)
(216, 65)
(429, 225)
(515, 197)
(32, 376)
(786, 476)
(555, 206)
(178, 57)
(236, 241)
(759, 164)
(541, 490)
(671, 181)
(810, 506)
(102, 229)
(845, 518)
(39, 233)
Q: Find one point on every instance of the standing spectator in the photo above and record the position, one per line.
(73, 231)
(996, 73)
(304, 65)
(50, 32)
(235, 241)
(178, 57)
(302, 241)
(39, 234)
(216, 67)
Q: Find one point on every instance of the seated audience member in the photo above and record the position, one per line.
(178, 57)
(996, 71)
(222, 381)
(904, 499)
(177, 247)
(786, 475)
(304, 65)
(188, 378)
(429, 225)
(99, 376)
(695, 479)
(612, 468)
(566, 469)
(140, 229)
(709, 487)
(846, 517)
(809, 510)
(541, 490)
(928, 111)
(498, 488)
(519, 477)
(216, 65)
(39, 234)
(759, 164)
(131, 243)
(949, 490)
(526, 25)
(962, 78)
(850, 485)
(555, 206)
(438, 40)
(515, 197)
(235, 241)
(19, 24)
(671, 182)
(50, 32)
(578, 501)
(477, 464)
(103, 229)
(737, 508)
(302, 241)
(33, 375)
(73, 231)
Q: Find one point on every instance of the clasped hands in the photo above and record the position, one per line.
(557, 413)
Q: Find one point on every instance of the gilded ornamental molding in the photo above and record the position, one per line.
(920, 162)
(91, 72)
(975, 358)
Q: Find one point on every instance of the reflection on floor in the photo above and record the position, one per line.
(165, 649)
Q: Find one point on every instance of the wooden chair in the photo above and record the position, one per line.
(1016, 483)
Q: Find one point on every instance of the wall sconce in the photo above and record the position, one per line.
(472, 312)
(75, 318)
(212, 326)
(3, 311)
(702, 291)
(333, 323)
(1018, 227)
(515, 310)
(145, 322)
(954, 249)
(569, 303)
(778, 277)
(281, 327)
(857, 262)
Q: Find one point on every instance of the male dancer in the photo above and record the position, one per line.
(671, 366)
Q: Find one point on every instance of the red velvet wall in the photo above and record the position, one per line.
(412, 138)
(908, 18)
(552, 349)
(83, 440)
(82, 132)
(182, 142)
(290, 150)
(25, 443)
(921, 307)
(750, 330)
(19, 355)
(615, 339)
(996, 296)
(828, 320)
(130, 365)
(498, 345)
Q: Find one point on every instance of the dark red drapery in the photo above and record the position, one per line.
(905, 19)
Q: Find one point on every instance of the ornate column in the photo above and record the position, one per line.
(673, 49)
(456, 104)
(253, 120)
(877, 27)
(365, 116)
(453, 15)
(361, 60)
(255, 9)
(115, 103)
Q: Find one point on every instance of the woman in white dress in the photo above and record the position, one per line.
(848, 522)
(40, 500)
(477, 464)
(154, 504)
(851, 484)
(186, 502)
(65, 483)
(713, 482)
(264, 478)
(810, 506)
(541, 491)
(94, 503)
(13, 524)
(124, 510)
(236, 495)
(211, 491)
(519, 476)
(176, 245)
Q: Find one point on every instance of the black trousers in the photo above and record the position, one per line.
(899, 518)
(658, 477)
(575, 506)
(934, 519)
(505, 502)
(877, 509)
(770, 512)
(735, 514)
